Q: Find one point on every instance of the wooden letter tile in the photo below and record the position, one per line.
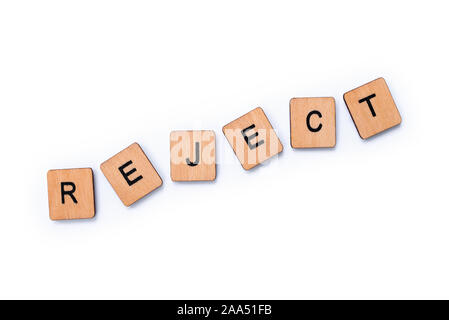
(372, 108)
(253, 139)
(131, 174)
(71, 194)
(312, 122)
(192, 155)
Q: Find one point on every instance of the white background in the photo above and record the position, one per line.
(81, 80)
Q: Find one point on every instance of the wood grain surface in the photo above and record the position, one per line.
(71, 194)
(131, 174)
(372, 108)
(262, 142)
(312, 123)
(192, 155)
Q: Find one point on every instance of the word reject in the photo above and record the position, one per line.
(192, 153)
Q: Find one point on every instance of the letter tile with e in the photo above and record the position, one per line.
(192, 155)
(312, 123)
(71, 194)
(252, 138)
(131, 174)
(372, 108)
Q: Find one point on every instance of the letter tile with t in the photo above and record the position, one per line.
(131, 174)
(372, 108)
(312, 123)
(71, 194)
(253, 138)
(192, 155)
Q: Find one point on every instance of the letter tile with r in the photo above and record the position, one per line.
(71, 194)
(131, 174)
(192, 155)
(372, 108)
(252, 138)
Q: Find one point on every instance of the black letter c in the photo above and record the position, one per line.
(308, 121)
